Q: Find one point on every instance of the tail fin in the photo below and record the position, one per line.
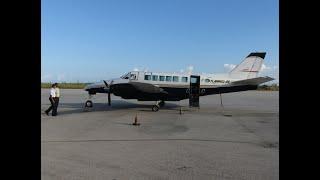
(249, 67)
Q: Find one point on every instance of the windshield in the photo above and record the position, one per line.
(126, 76)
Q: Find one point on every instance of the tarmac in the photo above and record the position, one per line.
(237, 141)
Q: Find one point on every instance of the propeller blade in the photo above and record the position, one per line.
(107, 85)
(109, 92)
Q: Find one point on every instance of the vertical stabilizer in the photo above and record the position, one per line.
(249, 67)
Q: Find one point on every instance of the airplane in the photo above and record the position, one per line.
(161, 87)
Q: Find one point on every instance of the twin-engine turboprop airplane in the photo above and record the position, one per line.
(161, 87)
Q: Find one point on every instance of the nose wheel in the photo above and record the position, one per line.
(155, 108)
(88, 104)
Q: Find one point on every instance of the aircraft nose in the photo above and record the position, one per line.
(87, 87)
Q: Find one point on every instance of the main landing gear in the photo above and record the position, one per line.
(159, 104)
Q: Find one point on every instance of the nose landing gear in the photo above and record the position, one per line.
(88, 104)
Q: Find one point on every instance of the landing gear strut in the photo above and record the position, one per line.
(161, 103)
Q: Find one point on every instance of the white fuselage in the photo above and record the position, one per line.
(173, 79)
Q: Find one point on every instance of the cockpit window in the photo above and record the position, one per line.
(126, 76)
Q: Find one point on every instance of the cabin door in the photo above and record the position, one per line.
(194, 91)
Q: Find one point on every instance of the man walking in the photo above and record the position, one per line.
(52, 100)
(56, 99)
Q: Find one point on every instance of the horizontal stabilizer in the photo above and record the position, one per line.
(253, 81)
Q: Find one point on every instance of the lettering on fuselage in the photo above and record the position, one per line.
(211, 81)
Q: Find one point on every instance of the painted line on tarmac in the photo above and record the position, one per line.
(145, 140)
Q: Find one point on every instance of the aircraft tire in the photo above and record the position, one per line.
(155, 108)
(88, 104)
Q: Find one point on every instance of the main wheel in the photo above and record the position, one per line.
(161, 103)
(89, 104)
(155, 108)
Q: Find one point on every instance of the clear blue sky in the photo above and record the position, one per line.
(91, 40)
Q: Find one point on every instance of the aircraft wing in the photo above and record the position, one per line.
(96, 88)
(252, 81)
(95, 85)
(131, 87)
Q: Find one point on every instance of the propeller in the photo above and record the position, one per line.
(106, 83)
(109, 96)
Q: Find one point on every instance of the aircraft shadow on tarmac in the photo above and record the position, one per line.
(115, 106)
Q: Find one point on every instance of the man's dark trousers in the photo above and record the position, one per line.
(55, 106)
(51, 107)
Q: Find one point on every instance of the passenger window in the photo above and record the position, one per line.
(168, 78)
(184, 79)
(175, 79)
(147, 77)
(154, 78)
(161, 78)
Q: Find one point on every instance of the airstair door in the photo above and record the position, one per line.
(194, 91)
